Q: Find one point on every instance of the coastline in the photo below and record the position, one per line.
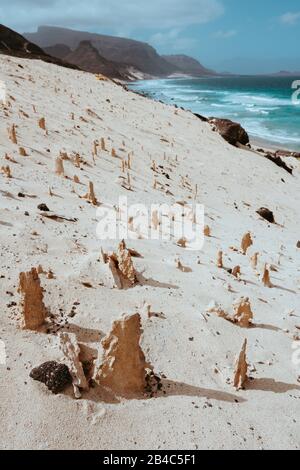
(268, 145)
(258, 141)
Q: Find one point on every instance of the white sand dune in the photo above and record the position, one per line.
(200, 408)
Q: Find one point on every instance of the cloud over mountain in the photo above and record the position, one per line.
(118, 16)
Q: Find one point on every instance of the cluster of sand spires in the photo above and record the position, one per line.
(56, 170)
(123, 368)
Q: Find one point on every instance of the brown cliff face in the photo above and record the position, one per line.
(87, 57)
(14, 44)
(188, 65)
(60, 51)
(121, 50)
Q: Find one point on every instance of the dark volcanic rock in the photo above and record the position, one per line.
(202, 118)
(43, 207)
(12, 43)
(279, 162)
(54, 375)
(298, 244)
(188, 65)
(287, 153)
(231, 131)
(266, 214)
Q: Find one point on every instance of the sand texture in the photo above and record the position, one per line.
(50, 138)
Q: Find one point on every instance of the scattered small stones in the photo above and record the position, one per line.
(279, 162)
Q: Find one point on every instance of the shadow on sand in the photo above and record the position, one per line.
(169, 388)
(271, 385)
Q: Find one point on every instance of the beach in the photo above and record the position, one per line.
(174, 158)
(265, 105)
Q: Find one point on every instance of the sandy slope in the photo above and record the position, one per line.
(200, 408)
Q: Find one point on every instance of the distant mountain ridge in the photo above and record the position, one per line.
(87, 57)
(125, 51)
(117, 58)
(286, 73)
(188, 65)
(134, 53)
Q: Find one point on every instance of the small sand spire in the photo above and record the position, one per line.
(182, 242)
(241, 368)
(124, 367)
(121, 267)
(90, 196)
(95, 148)
(236, 272)
(254, 260)
(266, 278)
(33, 308)
(59, 166)
(42, 124)
(246, 243)
(102, 144)
(220, 259)
(77, 160)
(22, 152)
(6, 171)
(243, 314)
(125, 263)
(207, 231)
(12, 134)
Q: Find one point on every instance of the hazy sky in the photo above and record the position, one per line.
(235, 35)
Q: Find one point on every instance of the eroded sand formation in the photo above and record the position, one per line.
(32, 305)
(124, 367)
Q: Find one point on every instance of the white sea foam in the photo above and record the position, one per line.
(269, 117)
(238, 98)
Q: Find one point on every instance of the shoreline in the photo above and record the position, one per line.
(254, 140)
(269, 145)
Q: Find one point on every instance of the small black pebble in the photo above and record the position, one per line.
(43, 207)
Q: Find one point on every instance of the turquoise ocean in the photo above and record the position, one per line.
(263, 105)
